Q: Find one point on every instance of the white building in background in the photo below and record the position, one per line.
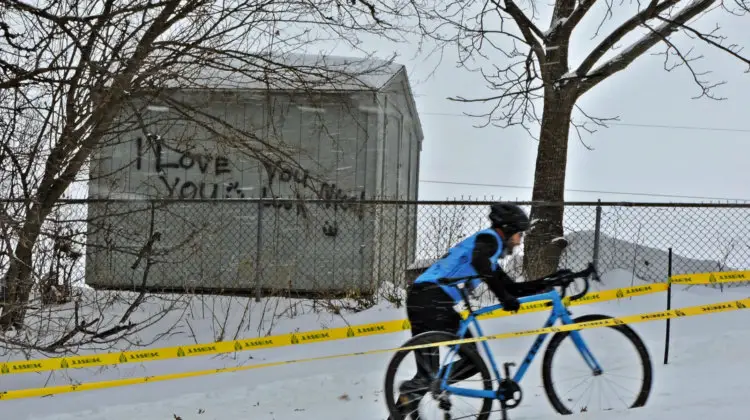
(349, 140)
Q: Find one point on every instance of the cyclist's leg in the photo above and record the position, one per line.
(430, 309)
(426, 304)
(461, 369)
(423, 302)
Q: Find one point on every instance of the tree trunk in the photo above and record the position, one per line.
(56, 179)
(540, 256)
(18, 279)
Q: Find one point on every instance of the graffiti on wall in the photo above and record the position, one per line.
(296, 181)
(185, 188)
(299, 185)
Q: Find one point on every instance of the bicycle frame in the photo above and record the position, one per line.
(559, 311)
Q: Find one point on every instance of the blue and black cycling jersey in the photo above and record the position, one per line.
(476, 255)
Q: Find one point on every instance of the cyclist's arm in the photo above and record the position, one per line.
(498, 281)
(529, 288)
(533, 287)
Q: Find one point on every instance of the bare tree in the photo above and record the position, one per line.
(445, 230)
(68, 71)
(532, 73)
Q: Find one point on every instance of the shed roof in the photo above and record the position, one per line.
(292, 72)
(297, 72)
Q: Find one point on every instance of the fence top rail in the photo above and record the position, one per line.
(277, 201)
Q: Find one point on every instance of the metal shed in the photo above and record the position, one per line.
(212, 149)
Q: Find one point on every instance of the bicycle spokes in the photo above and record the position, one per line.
(434, 402)
(585, 385)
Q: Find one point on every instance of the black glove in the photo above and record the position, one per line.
(510, 303)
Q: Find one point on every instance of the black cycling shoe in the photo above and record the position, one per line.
(410, 394)
(408, 406)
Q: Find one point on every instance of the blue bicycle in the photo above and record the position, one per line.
(508, 392)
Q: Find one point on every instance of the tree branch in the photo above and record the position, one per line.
(707, 39)
(563, 9)
(578, 14)
(686, 60)
(625, 58)
(628, 26)
(528, 29)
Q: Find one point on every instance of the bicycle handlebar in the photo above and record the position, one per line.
(564, 278)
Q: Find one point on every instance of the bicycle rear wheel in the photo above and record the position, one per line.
(563, 403)
(464, 352)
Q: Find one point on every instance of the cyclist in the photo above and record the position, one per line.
(430, 306)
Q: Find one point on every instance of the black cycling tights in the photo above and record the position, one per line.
(429, 308)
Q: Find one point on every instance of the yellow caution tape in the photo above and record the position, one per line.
(631, 319)
(281, 340)
(711, 278)
(603, 296)
(387, 327)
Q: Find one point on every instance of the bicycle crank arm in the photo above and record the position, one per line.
(506, 368)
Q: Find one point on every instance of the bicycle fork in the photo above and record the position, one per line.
(586, 353)
(580, 344)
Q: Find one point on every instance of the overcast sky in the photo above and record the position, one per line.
(665, 145)
(709, 160)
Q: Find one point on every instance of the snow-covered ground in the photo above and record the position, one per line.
(706, 374)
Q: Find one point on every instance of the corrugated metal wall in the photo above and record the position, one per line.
(395, 226)
(216, 245)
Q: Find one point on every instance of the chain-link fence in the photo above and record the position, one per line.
(326, 248)
(634, 237)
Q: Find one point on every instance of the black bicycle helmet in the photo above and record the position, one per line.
(509, 218)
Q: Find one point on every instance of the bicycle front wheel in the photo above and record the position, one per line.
(461, 406)
(624, 387)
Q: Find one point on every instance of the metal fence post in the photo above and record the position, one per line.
(597, 232)
(669, 304)
(258, 247)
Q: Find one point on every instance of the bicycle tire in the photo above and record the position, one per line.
(431, 337)
(628, 332)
